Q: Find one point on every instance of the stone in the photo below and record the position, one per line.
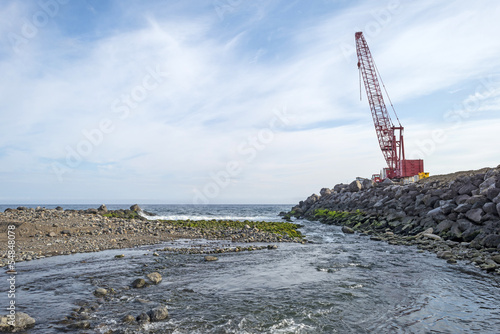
(492, 193)
(460, 199)
(498, 209)
(154, 277)
(432, 236)
(490, 207)
(128, 318)
(325, 192)
(103, 208)
(496, 258)
(139, 283)
(445, 255)
(22, 322)
(66, 232)
(58, 208)
(99, 292)
(463, 208)
(444, 226)
(475, 215)
(52, 234)
(143, 317)
(491, 241)
(366, 184)
(210, 258)
(135, 208)
(467, 189)
(434, 212)
(347, 230)
(158, 313)
(355, 186)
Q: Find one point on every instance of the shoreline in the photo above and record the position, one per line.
(44, 232)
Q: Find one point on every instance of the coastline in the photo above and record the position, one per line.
(44, 232)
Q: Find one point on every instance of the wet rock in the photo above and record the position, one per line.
(100, 292)
(445, 255)
(84, 324)
(272, 246)
(210, 258)
(143, 317)
(22, 322)
(135, 208)
(128, 318)
(347, 230)
(154, 277)
(496, 258)
(158, 313)
(432, 236)
(139, 283)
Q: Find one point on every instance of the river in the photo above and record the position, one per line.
(336, 283)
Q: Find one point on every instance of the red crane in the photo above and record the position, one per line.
(390, 137)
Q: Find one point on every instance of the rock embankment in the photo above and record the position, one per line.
(461, 210)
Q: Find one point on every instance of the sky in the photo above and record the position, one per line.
(232, 101)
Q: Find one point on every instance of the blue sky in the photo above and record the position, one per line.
(235, 101)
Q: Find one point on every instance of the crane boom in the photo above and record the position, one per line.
(390, 137)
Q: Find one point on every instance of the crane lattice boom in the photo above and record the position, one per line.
(390, 137)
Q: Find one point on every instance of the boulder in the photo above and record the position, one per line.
(444, 226)
(210, 258)
(135, 208)
(103, 208)
(490, 207)
(139, 283)
(467, 189)
(154, 277)
(474, 215)
(460, 199)
(498, 209)
(347, 230)
(492, 193)
(432, 236)
(142, 318)
(22, 322)
(355, 186)
(463, 208)
(158, 313)
(325, 192)
(366, 184)
(99, 292)
(491, 241)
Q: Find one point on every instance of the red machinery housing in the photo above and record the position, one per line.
(390, 137)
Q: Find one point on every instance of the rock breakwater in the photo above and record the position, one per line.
(455, 215)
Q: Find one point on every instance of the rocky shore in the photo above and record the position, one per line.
(44, 232)
(456, 216)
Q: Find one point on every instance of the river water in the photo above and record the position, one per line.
(337, 283)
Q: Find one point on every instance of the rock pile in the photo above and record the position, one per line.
(463, 209)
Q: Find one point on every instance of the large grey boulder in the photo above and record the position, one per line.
(355, 186)
(475, 215)
(154, 277)
(467, 189)
(325, 192)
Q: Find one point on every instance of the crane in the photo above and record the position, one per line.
(390, 137)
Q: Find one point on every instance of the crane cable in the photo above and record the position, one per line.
(383, 85)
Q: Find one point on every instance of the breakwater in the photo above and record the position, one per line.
(455, 215)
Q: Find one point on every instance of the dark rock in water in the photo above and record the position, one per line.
(22, 322)
(135, 208)
(85, 324)
(210, 258)
(158, 313)
(347, 229)
(139, 283)
(103, 208)
(142, 318)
